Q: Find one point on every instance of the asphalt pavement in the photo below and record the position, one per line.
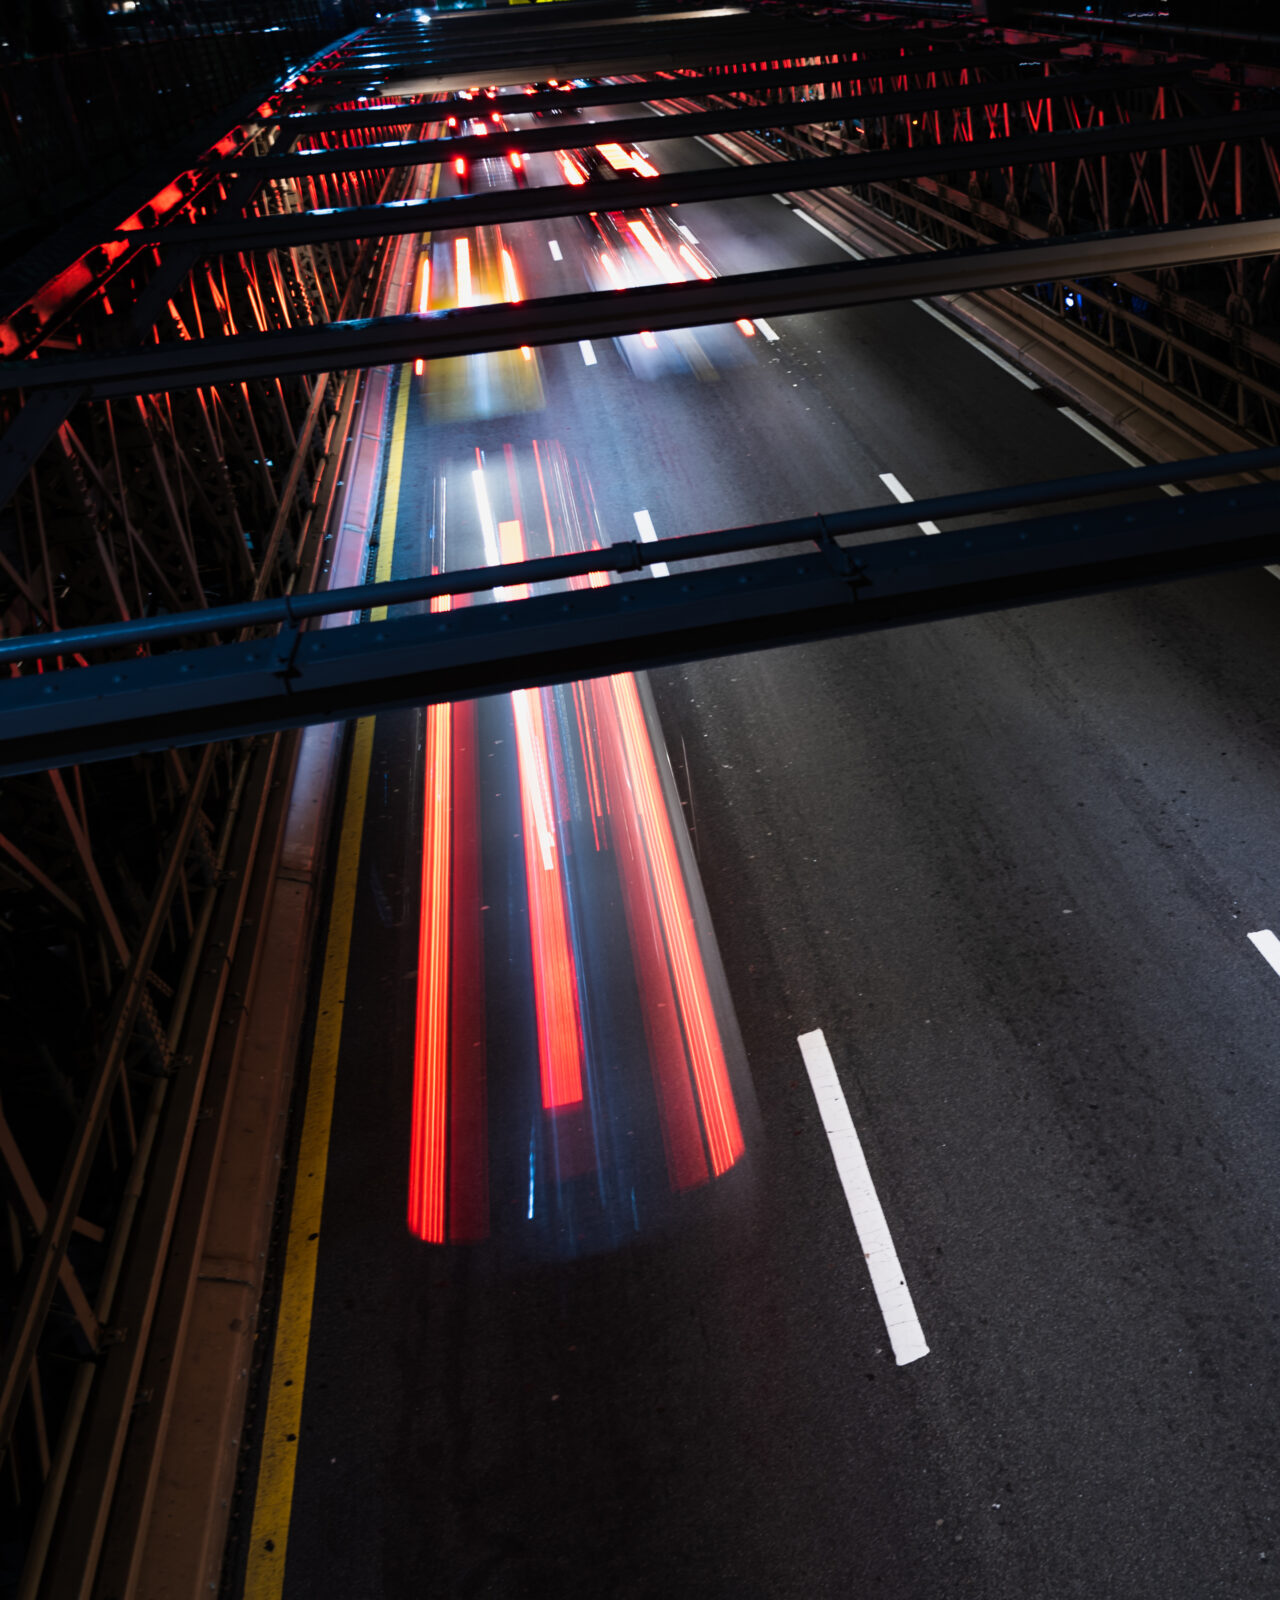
(1008, 866)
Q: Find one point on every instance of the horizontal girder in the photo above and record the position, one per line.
(561, 319)
(562, 135)
(653, 86)
(706, 183)
(294, 678)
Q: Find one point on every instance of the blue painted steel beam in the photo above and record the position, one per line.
(298, 677)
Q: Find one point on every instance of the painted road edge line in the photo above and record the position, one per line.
(905, 499)
(827, 234)
(707, 145)
(1127, 456)
(282, 1427)
(983, 349)
(648, 535)
(1268, 947)
(896, 1306)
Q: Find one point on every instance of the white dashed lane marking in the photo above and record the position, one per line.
(904, 499)
(896, 1305)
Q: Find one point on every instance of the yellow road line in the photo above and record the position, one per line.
(273, 1503)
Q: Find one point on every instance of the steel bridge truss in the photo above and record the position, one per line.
(181, 397)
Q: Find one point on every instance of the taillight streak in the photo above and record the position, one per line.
(668, 1055)
(428, 1140)
(693, 995)
(555, 977)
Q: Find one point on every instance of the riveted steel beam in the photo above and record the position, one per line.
(225, 691)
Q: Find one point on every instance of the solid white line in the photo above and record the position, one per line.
(713, 149)
(765, 329)
(782, 199)
(588, 354)
(986, 350)
(904, 499)
(896, 1306)
(554, 246)
(688, 232)
(1127, 456)
(649, 535)
(1268, 947)
(827, 234)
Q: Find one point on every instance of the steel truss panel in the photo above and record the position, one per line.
(567, 318)
(226, 691)
(708, 183)
(689, 124)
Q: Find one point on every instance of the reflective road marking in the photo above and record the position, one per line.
(648, 535)
(984, 349)
(1268, 947)
(588, 354)
(904, 499)
(896, 1306)
(1127, 456)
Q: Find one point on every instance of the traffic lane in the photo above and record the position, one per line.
(916, 397)
(816, 1531)
(654, 1421)
(839, 400)
(1057, 1045)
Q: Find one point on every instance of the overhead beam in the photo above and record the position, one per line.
(562, 135)
(227, 691)
(706, 183)
(563, 319)
(657, 87)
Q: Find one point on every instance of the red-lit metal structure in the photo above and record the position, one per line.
(181, 395)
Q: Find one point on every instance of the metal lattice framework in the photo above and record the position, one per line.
(178, 395)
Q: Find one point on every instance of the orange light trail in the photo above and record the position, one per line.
(572, 171)
(611, 267)
(623, 160)
(745, 327)
(462, 260)
(643, 236)
(555, 979)
(700, 268)
(510, 283)
(424, 303)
